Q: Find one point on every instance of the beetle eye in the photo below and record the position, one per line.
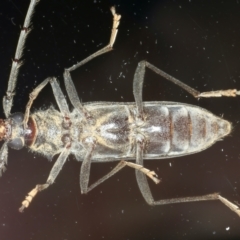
(17, 117)
(16, 143)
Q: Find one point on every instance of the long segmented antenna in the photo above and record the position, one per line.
(8, 99)
(16, 64)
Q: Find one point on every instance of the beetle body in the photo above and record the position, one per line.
(169, 130)
(101, 131)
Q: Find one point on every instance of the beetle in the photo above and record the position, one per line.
(100, 132)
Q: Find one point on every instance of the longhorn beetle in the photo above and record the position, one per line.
(106, 131)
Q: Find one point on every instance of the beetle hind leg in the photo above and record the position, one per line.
(139, 79)
(147, 195)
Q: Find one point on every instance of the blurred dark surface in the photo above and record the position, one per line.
(198, 42)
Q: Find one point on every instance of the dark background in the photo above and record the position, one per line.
(196, 41)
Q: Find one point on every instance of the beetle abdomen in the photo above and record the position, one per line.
(173, 129)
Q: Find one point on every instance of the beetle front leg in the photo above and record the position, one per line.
(52, 176)
(85, 168)
(32, 97)
(59, 97)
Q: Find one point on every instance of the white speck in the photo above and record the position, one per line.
(227, 228)
(170, 164)
(170, 46)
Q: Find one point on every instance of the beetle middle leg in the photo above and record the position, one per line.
(85, 172)
(72, 93)
(90, 143)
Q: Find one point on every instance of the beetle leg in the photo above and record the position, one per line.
(85, 169)
(60, 98)
(58, 94)
(32, 97)
(147, 195)
(86, 165)
(71, 91)
(52, 176)
(120, 165)
(139, 79)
